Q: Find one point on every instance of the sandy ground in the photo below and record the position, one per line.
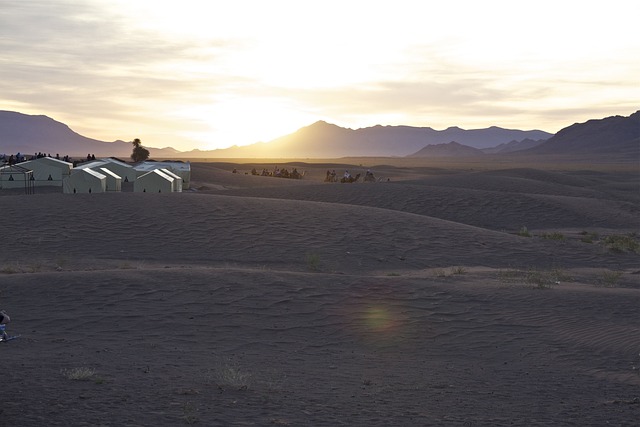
(437, 296)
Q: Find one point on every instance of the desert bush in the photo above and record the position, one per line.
(524, 232)
(229, 375)
(535, 278)
(540, 279)
(189, 413)
(439, 272)
(79, 374)
(622, 243)
(313, 261)
(62, 261)
(458, 270)
(35, 267)
(589, 237)
(609, 279)
(507, 277)
(553, 236)
(10, 269)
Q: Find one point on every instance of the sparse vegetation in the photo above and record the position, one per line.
(228, 375)
(79, 374)
(524, 232)
(10, 269)
(589, 237)
(533, 277)
(62, 262)
(553, 236)
(36, 267)
(458, 270)
(189, 413)
(439, 272)
(313, 261)
(609, 279)
(540, 279)
(622, 243)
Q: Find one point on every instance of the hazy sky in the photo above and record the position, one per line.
(210, 74)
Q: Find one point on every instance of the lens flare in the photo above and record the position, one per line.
(380, 319)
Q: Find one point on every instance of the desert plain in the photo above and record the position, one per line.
(444, 294)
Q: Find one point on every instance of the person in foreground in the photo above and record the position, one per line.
(4, 318)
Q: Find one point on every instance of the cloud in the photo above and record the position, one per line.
(174, 73)
(76, 60)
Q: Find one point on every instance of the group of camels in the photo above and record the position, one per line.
(348, 178)
(279, 173)
(331, 176)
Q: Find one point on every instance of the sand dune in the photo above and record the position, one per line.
(266, 301)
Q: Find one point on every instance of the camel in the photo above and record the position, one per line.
(350, 179)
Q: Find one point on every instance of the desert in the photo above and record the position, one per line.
(336, 213)
(445, 293)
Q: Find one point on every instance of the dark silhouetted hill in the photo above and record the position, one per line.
(611, 137)
(513, 146)
(30, 134)
(451, 149)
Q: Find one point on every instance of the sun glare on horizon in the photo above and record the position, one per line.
(207, 75)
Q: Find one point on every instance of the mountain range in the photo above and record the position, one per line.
(326, 140)
(617, 135)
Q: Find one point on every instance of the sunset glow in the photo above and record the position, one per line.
(212, 74)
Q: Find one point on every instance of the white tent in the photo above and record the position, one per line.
(48, 171)
(13, 176)
(123, 170)
(114, 182)
(177, 181)
(182, 169)
(154, 181)
(85, 181)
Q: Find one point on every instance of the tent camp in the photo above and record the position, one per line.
(182, 169)
(123, 170)
(114, 182)
(85, 181)
(154, 181)
(13, 176)
(48, 171)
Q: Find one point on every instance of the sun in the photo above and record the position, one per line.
(243, 121)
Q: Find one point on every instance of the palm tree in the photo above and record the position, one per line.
(139, 154)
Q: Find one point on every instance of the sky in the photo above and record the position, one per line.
(210, 74)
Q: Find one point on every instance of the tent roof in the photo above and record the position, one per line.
(94, 173)
(162, 174)
(92, 164)
(157, 172)
(50, 161)
(14, 169)
(178, 166)
(171, 174)
(116, 161)
(106, 171)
